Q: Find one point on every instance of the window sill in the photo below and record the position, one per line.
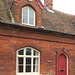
(28, 24)
(28, 74)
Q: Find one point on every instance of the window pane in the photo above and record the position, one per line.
(25, 19)
(31, 20)
(28, 61)
(35, 64)
(28, 68)
(20, 68)
(35, 68)
(35, 53)
(31, 12)
(21, 52)
(35, 61)
(28, 51)
(25, 11)
(20, 60)
(28, 64)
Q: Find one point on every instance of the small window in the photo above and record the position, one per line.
(28, 61)
(28, 16)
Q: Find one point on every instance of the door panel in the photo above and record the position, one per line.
(62, 65)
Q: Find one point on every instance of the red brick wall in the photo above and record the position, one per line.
(13, 38)
(49, 3)
(18, 11)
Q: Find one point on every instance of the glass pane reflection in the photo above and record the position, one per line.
(28, 51)
(35, 64)
(35, 53)
(28, 68)
(20, 68)
(31, 20)
(21, 52)
(28, 60)
(20, 60)
(31, 12)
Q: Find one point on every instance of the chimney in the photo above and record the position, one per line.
(48, 3)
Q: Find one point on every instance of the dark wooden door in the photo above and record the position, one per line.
(62, 65)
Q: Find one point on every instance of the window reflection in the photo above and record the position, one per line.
(20, 60)
(31, 12)
(28, 60)
(28, 51)
(25, 19)
(35, 64)
(20, 68)
(28, 64)
(25, 11)
(21, 52)
(28, 68)
(20, 64)
(35, 53)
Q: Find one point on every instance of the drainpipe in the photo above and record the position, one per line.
(11, 16)
(56, 59)
(12, 19)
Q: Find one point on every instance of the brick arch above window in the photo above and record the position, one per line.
(30, 6)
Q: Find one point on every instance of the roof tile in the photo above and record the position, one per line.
(58, 21)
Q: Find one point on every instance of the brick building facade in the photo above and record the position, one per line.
(40, 49)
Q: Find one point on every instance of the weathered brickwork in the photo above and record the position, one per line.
(48, 3)
(34, 4)
(14, 37)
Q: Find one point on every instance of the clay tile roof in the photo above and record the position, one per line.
(58, 21)
(3, 13)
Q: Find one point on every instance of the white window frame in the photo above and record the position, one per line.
(28, 16)
(26, 56)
